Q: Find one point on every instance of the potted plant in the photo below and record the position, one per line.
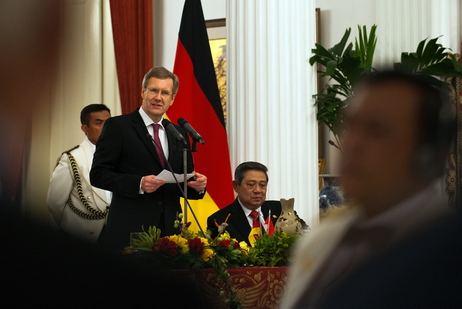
(343, 66)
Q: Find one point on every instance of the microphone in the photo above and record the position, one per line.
(333, 144)
(171, 128)
(185, 125)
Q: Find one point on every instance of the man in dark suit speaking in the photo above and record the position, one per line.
(250, 183)
(131, 151)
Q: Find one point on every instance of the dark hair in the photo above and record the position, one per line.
(161, 73)
(85, 114)
(242, 168)
(437, 123)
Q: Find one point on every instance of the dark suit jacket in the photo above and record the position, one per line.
(422, 272)
(238, 225)
(124, 154)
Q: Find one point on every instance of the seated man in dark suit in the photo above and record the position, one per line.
(250, 183)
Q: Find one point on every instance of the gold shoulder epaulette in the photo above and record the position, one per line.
(67, 151)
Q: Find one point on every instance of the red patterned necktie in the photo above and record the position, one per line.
(158, 145)
(254, 215)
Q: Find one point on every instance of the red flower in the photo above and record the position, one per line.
(165, 245)
(172, 252)
(196, 245)
(225, 243)
(163, 242)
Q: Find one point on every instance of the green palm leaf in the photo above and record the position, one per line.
(343, 66)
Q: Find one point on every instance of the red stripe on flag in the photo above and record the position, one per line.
(211, 159)
(270, 226)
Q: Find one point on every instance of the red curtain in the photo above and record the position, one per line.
(133, 39)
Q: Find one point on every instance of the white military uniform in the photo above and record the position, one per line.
(78, 208)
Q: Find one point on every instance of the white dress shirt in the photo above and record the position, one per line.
(162, 134)
(249, 218)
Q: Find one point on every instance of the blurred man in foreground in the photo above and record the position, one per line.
(397, 134)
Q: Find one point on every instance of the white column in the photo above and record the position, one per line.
(86, 74)
(446, 15)
(271, 118)
(402, 24)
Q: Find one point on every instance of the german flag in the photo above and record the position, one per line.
(198, 101)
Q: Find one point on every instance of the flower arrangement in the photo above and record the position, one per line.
(196, 251)
(182, 253)
(272, 251)
(190, 250)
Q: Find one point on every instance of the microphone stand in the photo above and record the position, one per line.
(183, 190)
(185, 184)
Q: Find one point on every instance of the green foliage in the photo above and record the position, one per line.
(430, 59)
(272, 251)
(365, 48)
(227, 292)
(229, 255)
(343, 66)
(146, 240)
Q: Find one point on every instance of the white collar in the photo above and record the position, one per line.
(93, 146)
(248, 211)
(147, 120)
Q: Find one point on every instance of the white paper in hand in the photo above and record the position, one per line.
(168, 177)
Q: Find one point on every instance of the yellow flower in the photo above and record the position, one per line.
(244, 248)
(181, 242)
(225, 236)
(207, 254)
(205, 241)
